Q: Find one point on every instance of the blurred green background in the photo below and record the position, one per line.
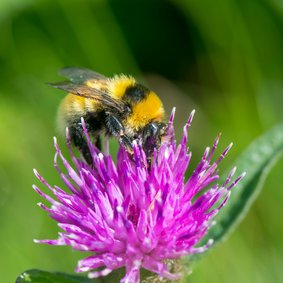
(224, 58)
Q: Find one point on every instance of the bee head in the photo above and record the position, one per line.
(152, 135)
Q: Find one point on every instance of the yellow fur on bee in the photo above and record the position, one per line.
(119, 84)
(73, 104)
(73, 107)
(147, 110)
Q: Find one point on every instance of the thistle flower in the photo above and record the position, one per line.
(133, 214)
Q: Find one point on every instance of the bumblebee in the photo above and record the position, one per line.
(118, 106)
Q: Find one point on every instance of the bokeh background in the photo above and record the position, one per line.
(224, 58)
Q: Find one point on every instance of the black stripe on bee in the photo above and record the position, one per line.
(136, 93)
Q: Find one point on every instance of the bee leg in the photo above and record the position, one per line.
(98, 143)
(125, 141)
(116, 128)
(77, 137)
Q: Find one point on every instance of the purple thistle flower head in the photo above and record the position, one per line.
(133, 214)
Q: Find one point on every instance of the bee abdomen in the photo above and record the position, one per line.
(74, 107)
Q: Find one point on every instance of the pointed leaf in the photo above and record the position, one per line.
(256, 161)
(40, 276)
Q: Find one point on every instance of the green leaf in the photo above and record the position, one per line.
(40, 276)
(256, 161)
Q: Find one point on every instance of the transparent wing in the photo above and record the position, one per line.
(80, 75)
(91, 93)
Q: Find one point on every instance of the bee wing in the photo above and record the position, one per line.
(80, 75)
(91, 93)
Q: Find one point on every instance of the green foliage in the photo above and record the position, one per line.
(40, 276)
(257, 160)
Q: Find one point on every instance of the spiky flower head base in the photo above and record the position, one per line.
(133, 214)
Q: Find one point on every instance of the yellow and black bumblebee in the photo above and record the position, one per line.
(118, 106)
